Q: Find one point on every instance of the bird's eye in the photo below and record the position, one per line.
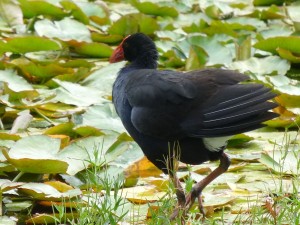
(125, 45)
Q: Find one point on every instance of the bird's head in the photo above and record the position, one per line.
(137, 48)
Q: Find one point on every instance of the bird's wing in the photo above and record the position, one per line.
(159, 99)
(205, 103)
(231, 110)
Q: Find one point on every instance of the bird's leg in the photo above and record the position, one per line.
(179, 191)
(180, 196)
(197, 189)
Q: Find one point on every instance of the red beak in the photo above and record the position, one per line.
(118, 54)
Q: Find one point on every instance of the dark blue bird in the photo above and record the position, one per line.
(188, 116)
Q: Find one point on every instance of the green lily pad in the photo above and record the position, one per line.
(100, 79)
(93, 150)
(286, 54)
(14, 81)
(106, 38)
(261, 66)
(75, 94)
(76, 12)
(217, 52)
(285, 163)
(103, 117)
(35, 8)
(11, 13)
(5, 220)
(86, 131)
(66, 29)
(38, 72)
(291, 43)
(91, 49)
(155, 9)
(36, 154)
(42, 191)
(28, 44)
(197, 58)
(133, 23)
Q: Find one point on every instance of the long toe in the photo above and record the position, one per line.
(200, 205)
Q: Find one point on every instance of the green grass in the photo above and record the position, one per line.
(106, 205)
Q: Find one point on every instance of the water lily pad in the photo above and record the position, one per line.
(291, 43)
(96, 150)
(35, 8)
(261, 66)
(37, 154)
(142, 195)
(133, 23)
(104, 77)
(43, 191)
(75, 94)
(14, 82)
(155, 9)
(103, 117)
(11, 13)
(28, 44)
(66, 29)
(91, 49)
(5, 220)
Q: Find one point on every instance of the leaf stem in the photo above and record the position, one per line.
(18, 177)
(45, 117)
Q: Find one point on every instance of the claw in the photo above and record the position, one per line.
(197, 189)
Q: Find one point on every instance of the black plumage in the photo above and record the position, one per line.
(162, 109)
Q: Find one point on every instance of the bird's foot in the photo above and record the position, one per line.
(196, 192)
(181, 203)
(184, 207)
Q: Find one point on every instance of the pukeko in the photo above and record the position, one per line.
(188, 116)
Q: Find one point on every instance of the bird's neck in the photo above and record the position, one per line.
(147, 60)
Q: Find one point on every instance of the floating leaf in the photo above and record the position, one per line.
(66, 29)
(75, 94)
(42, 218)
(14, 82)
(133, 23)
(142, 195)
(37, 154)
(5, 220)
(96, 150)
(285, 163)
(99, 78)
(286, 54)
(91, 49)
(28, 44)
(267, 2)
(262, 66)
(43, 191)
(103, 117)
(155, 9)
(77, 13)
(11, 13)
(38, 72)
(197, 58)
(291, 44)
(106, 38)
(35, 8)
(21, 122)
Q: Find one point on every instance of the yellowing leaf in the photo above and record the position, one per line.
(142, 194)
(142, 168)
